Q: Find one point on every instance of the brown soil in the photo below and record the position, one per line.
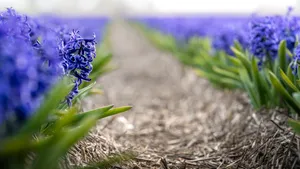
(179, 120)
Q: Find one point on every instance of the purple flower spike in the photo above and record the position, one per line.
(263, 39)
(296, 60)
(25, 76)
(78, 54)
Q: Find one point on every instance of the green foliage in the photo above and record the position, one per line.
(295, 125)
(51, 133)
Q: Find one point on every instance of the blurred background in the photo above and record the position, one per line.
(150, 7)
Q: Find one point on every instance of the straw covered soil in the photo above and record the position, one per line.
(179, 120)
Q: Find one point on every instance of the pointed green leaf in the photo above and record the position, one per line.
(52, 101)
(13, 146)
(100, 62)
(283, 92)
(62, 121)
(248, 86)
(238, 46)
(78, 117)
(282, 55)
(296, 96)
(110, 161)
(226, 73)
(61, 142)
(100, 72)
(257, 82)
(115, 111)
(84, 90)
(243, 58)
(232, 69)
(287, 81)
(234, 61)
(289, 53)
(290, 74)
(81, 93)
(219, 79)
(295, 125)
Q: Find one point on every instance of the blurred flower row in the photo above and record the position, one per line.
(47, 65)
(258, 54)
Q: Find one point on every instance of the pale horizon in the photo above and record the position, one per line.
(81, 7)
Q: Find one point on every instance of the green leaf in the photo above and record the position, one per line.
(84, 90)
(17, 145)
(232, 69)
(78, 117)
(96, 90)
(296, 96)
(289, 53)
(101, 62)
(235, 61)
(283, 92)
(249, 87)
(238, 46)
(115, 111)
(287, 81)
(298, 72)
(52, 101)
(94, 76)
(290, 74)
(110, 161)
(61, 121)
(61, 142)
(258, 85)
(228, 82)
(226, 73)
(282, 55)
(81, 93)
(243, 59)
(295, 125)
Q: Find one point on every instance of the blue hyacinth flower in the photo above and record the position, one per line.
(78, 54)
(264, 40)
(25, 78)
(296, 60)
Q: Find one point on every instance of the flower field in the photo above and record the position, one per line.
(255, 54)
(258, 54)
(149, 92)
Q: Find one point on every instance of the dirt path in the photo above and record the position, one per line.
(176, 116)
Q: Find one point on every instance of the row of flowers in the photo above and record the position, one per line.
(258, 54)
(48, 65)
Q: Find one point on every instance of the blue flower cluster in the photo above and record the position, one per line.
(258, 35)
(225, 37)
(78, 54)
(25, 77)
(296, 60)
(222, 30)
(263, 39)
(34, 54)
(288, 29)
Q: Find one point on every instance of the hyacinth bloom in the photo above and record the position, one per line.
(33, 56)
(25, 78)
(78, 54)
(224, 37)
(296, 60)
(263, 39)
(288, 29)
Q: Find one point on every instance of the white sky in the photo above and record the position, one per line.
(214, 5)
(160, 5)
